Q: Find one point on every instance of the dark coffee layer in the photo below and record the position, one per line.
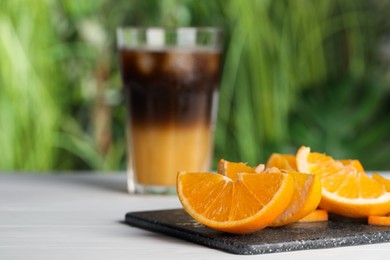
(172, 86)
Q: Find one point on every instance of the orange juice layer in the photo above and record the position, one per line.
(159, 152)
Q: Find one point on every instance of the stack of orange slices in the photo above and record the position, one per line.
(346, 189)
(288, 188)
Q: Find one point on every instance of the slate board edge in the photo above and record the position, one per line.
(190, 236)
(299, 245)
(133, 219)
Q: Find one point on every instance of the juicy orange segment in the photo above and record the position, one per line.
(317, 215)
(379, 220)
(305, 198)
(354, 163)
(246, 204)
(282, 161)
(315, 163)
(345, 190)
(231, 169)
(385, 182)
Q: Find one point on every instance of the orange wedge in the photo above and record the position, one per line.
(379, 220)
(317, 215)
(231, 169)
(246, 204)
(305, 198)
(345, 191)
(315, 163)
(282, 161)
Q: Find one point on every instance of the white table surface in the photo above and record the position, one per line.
(77, 216)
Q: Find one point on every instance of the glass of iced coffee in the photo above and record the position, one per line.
(170, 81)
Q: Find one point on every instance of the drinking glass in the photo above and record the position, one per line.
(170, 83)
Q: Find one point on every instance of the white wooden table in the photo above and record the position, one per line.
(77, 216)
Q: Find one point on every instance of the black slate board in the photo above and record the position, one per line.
(297, 236)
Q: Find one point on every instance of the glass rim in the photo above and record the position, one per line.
(210, 29)
(171, 29)
(154, 37)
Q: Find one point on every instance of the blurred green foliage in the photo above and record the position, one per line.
(295, 72)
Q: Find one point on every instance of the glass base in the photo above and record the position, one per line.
(135, 188)
(157, 190)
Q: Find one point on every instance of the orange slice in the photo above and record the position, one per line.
(317, 215)
(249, 203)
(231, 169)
(282, 161)
(315, 163)
(379, 220)
(305, 198)
(345, 191)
